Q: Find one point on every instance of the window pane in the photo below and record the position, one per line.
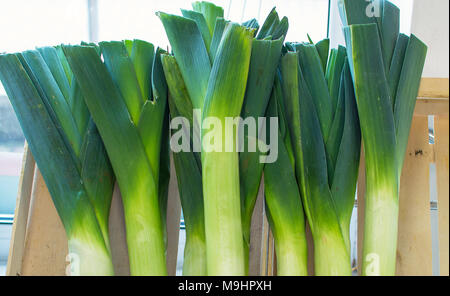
(120, 19)
(26, 24)
(305, 17)
(11, 150)
(11, 137)
(337, 36)
(136, 19)
(406, 9)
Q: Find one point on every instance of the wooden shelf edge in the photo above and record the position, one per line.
(434, 88)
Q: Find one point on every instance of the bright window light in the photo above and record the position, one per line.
(305, 17)
(28, 24)
(119, 19)
(337, 36)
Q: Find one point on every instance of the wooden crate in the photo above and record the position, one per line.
(39, 246)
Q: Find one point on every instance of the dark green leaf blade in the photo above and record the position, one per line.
(210, 11)
(201, 24)
(139, 190)
(378, 132)
(190, 52)
(323, 48)
(121, 67)
(142, 54)
(408, 89)
(397, 65)
(312, 72)
(347, 163)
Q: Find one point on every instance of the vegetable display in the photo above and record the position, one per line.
(284, 208)
(67, 148)
(127, 97)
(324, 130)
(386, 68)
(265, 57)
(216, 103)
(217, 95)
(216, 86)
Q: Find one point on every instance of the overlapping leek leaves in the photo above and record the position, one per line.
(386, 69)
(127, 97)
(220, 167)
(284, 207)
(265, 58)
(68, 151)
(188, 171)
(199, 75)
(324, 131)
(194, 44)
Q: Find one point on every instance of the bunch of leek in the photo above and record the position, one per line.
(213, 57)
(187, 95)
(127, 97)
(68, 151)
(284, 207)
(220, 168)
(386, 68)
(192, 86)
(324, 131)
(188, 171)
(265, 57)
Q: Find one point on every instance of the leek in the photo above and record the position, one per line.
(224, 98)
(214, 71)
(187, 95)
(187, 82)
(68, 151)
(386, 69)
(127, 97)
(188, 168)
(324, 130)
(284, 207)
(265, 57)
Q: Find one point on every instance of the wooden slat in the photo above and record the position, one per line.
(117, 235)
(434, 88)
(414, 250)
(275, 263)
(173, 222)
(17, 244)
(46, 244)
(361, 191)
(45, 247)
(256, 235)
(262, 246)
(442, 170)
(271, 255)
(437, 107)
(265, 245)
